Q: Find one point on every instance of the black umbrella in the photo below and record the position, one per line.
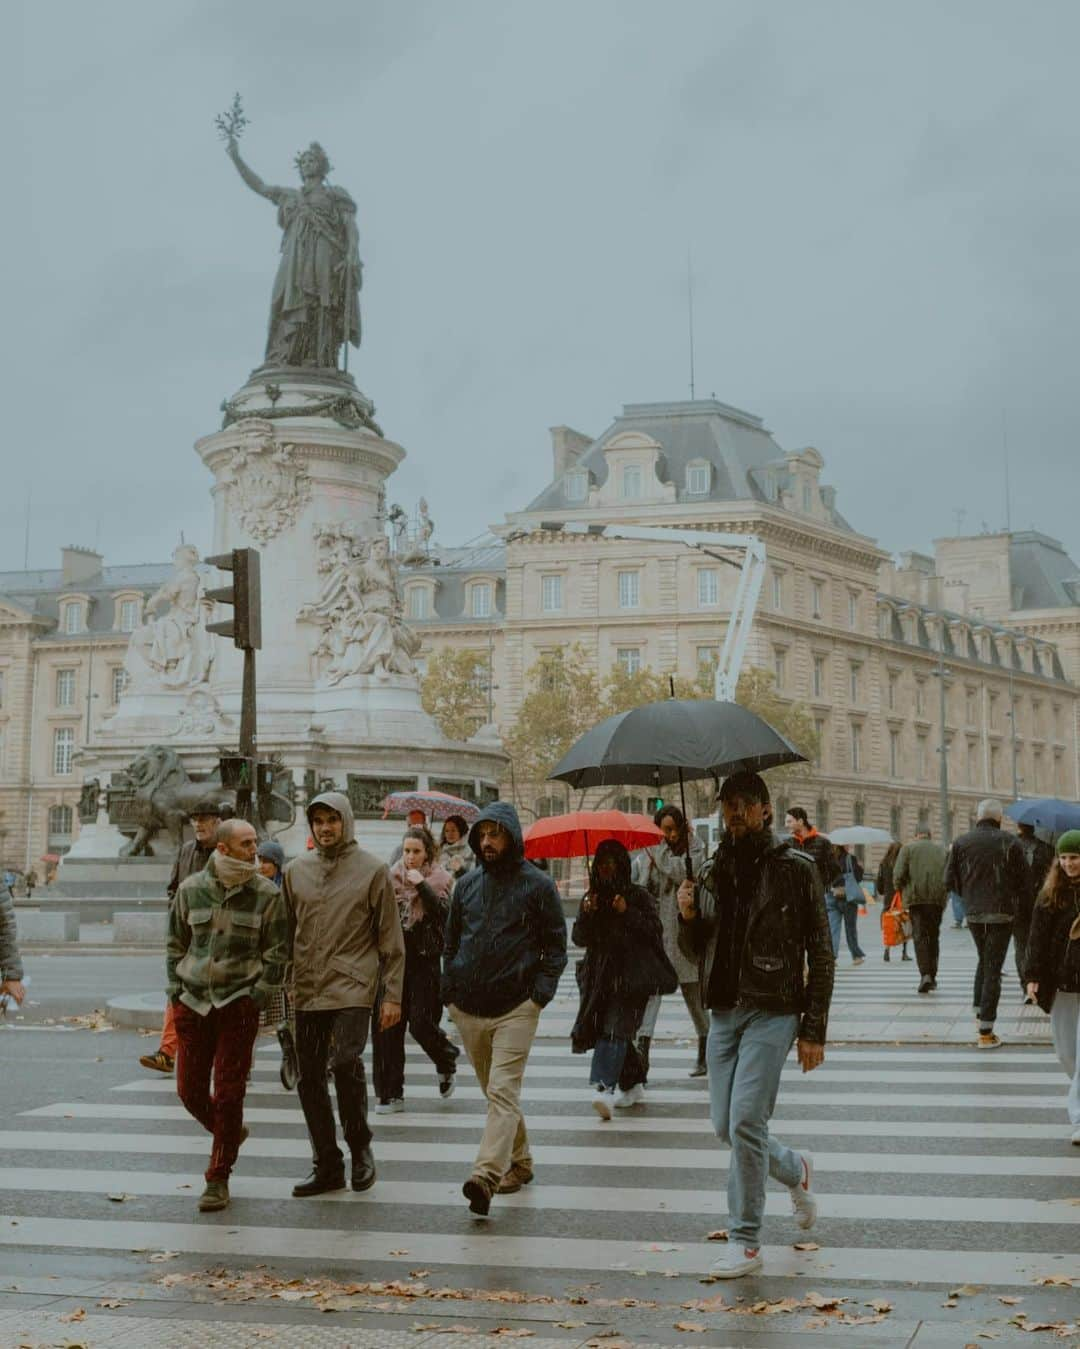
(667, 742)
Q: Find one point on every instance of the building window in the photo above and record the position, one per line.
(72, 619)
(778, 590)
(920, 697)
(419, 606)
(854, 681)
(852, 609)
(60, 822)
(995, 766)
(922, 825)
(480, 600)
(551, 594)
(1036, 768)
(894, 754)
(894, 684)
(707, 657)
(577, 486)
(819, 677)
(697, 479)
(63, 749)
(821, 815)
(817, 599)
(924, 759)
(972, 763)
(129, 615)
(631, 482)
(119, 682)
(896, 826)
(969, 706)
(708, 587)
(779, 665)
(1, 688)
(629, 589)
(819, 732)
(629, 657)
(995, 705)
(65, 688)
(856, 747)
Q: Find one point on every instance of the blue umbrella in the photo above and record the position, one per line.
(1047, 812)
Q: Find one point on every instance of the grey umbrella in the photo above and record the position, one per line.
(671, 741)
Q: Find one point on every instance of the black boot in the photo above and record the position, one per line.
(699, 1069)
(643, 1043)
(319, 1182)
(363, 1169)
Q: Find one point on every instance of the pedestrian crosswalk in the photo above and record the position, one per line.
(937, 1165)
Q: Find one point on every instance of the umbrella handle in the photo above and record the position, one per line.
(686, 818)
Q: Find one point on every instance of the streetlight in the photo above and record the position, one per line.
(941, 674)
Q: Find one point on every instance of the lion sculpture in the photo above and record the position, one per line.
(164, 795)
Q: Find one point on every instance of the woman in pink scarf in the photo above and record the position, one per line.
(422, 888)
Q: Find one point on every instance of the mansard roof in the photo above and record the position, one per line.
(1041, 573)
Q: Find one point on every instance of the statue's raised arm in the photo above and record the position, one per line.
(274, 194)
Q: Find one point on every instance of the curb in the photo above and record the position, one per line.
(137, 1011)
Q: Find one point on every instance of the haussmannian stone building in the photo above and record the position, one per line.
(856, 637)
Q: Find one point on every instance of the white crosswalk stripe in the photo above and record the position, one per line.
(931, 1164)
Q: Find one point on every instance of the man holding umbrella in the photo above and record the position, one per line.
(756, 924)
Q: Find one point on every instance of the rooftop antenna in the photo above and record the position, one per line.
(1005, 458)
(690, 318)
(961, 516)
(26, 537)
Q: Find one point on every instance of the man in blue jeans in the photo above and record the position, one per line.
(756, 924)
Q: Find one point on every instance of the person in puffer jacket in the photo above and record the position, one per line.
(505, 949)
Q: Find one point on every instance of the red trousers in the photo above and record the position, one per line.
(168, 1032)
(219, 1043)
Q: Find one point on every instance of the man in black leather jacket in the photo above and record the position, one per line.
(756, 923)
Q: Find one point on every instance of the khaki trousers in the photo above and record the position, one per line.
(498, 1049)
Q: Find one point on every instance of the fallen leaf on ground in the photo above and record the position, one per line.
(823, 1303)
(122, 1198)
(510, 1333)
(1009, 1301)
(966, 1290)
(570, 1325)
(156, 1257)
(1055, 1280)
(807, 1246)
(776, 1306)
(659, 1246)
(951, 1303)
(79, 1314)
(879, 1304)
(419, 1273)
(691, 1327)
(111, 1302)
(719, 1235)
(399, 1252)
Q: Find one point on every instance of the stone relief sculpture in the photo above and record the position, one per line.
(359, 609)
(173, 650)
(201, 716)
(315, 303)
(268, 488)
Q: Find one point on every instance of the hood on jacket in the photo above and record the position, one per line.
(340, 802)
(613, 849)
(502, 812)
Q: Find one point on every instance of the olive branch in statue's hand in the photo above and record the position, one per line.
(231, 123)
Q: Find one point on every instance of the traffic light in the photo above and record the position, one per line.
(245, 626)
(653, 804)
(237, 772)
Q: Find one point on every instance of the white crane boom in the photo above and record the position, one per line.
(751, 575)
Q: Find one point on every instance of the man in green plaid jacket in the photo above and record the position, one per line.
(226, 954)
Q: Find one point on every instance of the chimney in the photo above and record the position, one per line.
(567, 447)
(79, 564)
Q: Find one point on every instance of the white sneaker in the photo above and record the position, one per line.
(602, 1098)
(634, 1095)
(394, 1107)
(803, 1199)
(735, 1261)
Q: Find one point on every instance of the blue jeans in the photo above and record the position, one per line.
(608, 1057)
(958, 908)
(746, 1052)
(842, 913)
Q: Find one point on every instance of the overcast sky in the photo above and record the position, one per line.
(882, 202)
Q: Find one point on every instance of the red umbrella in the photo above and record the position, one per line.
(577, 834)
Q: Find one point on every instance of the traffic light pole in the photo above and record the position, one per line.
(247, 733)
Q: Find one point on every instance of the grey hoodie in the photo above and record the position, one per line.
(343, 921)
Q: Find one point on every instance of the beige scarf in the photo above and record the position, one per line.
(233, 872)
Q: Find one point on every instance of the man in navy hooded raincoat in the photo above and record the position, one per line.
(505, 949)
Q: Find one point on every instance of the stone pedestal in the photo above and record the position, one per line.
(299, 472)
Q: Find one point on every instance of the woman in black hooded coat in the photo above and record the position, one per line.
(619, 928)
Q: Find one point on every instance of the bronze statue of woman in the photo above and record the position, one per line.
(315, 305)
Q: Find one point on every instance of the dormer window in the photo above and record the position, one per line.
(698, 479)
(631, 483)
(576, 485)
(480, 599)
(419, 602)
(71, 618)
(129, 615)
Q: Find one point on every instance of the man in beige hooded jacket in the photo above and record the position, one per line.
(345, 936)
